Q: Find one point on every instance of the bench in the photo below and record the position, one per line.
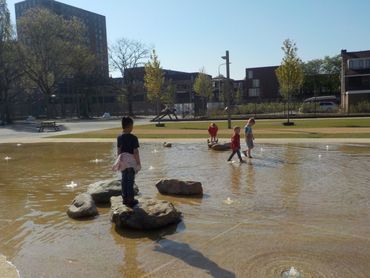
(48, 124)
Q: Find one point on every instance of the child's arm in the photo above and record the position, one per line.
(137, 158)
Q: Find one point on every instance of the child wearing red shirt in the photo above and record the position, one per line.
(212, 130)
(235, 144)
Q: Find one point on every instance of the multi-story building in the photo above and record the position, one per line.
(185, 101)
(95, 25)
(355, 78)
(262, 84)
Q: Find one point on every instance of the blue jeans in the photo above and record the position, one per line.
(235, 152)
(127, 183)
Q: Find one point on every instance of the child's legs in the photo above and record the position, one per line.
(231, 156)
(250, 146)
(128, 181)
(239, 155)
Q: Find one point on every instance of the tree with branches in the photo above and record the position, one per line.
(126, 54)
(290, 73)
(49, 54)
(203, 88)
(154, 80)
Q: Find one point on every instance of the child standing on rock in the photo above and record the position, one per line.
(235, 144)
(129, 161)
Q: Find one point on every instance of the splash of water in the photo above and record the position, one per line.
(71, 185)
(291, 273)
(151, 168)
(320, 155)
(96, 160)
(327, 147)
(228, 201)
(7, 158)
(18, 145)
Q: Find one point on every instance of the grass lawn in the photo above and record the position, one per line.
(303, 128)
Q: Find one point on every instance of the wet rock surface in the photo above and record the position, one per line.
(102, 191)
(82, 206)
(179, 187)
(148, 214)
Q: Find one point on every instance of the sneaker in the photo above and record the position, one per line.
(250, 156)
(244, 152)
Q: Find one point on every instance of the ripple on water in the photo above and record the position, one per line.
(309, 265)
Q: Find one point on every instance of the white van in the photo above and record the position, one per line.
(328, 106)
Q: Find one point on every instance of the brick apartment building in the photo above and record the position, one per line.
(261, 84)
(355, 78)
(185, 100)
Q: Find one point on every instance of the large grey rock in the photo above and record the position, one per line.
(82, 206)
(101, 191)
(221, 147)
(179, 187)
(148, 214)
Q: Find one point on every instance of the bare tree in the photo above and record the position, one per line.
(126, 54)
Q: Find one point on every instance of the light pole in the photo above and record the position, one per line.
(228, 108)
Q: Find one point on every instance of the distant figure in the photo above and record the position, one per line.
(128, 150)
(235, 144)
(212, 130)
(249, 137)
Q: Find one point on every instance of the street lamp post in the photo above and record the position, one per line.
(228, 108)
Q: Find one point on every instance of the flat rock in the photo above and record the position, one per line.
(82, 206)
(221, 147)
(102, 191)
(148, 214)
(179, 187)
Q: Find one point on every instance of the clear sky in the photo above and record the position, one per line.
(191, 34)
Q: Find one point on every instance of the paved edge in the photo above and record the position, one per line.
(7, 269)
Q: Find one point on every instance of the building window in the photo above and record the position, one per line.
(256, 83)
(254, 92)
(358, 64)
(250, 74)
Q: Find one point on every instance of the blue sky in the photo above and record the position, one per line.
(191, 34)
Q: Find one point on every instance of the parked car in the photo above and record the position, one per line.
(328, 106)
(322, 106)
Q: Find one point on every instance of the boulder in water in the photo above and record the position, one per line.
(179, 187)
(101, 191)
(82, 206)
(148, 214)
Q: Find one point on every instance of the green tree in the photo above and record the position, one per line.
(50, 45)
(126, 54)
(154, 80)
(290, 73)
(203, 88)
(9, 63)
(322, 73)
(169, 94)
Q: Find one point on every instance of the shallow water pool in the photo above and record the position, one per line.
(300, 205)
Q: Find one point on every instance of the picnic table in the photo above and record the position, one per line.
(48, 124)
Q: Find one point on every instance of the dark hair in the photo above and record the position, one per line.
(127, 121)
